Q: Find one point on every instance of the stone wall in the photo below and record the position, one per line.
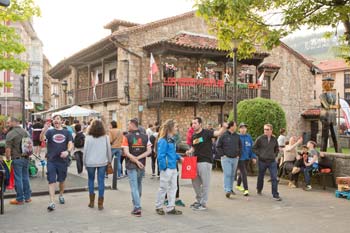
(341, 164)
(292, 88)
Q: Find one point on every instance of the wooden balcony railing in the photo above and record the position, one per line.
(192, 90)
(105, 91)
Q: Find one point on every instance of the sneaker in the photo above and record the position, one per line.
(308, 187)
(246, 193)
(194, 205)
(200, 207)
(179, 202)
(28, 200)
(240, 188)
(278, 198)
(174, 212)
(228, 194)
(61, 199)
(291, 185)
(160, 211)
(15, 202)
(136, 212)
(51, 207)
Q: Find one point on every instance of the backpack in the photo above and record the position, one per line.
(26, 146)
(79, 140)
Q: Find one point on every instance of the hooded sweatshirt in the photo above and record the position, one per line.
(247, 144)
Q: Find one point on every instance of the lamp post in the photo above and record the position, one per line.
(64, 88)
(23, 102)
(235, 43)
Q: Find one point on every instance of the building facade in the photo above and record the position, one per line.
(194, 78)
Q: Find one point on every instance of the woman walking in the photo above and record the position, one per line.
(97, 154)
(167, 160)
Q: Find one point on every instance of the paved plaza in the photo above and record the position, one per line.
(300, 211)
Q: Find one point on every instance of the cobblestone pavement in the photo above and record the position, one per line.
(300, 211)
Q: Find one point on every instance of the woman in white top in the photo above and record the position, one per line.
(289, 157)
(97, 154)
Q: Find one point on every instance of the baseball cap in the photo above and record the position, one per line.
(242, 124)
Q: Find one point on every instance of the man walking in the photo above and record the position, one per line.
(266, 148)
(137, 147)
(59, 147)
(229, 148)
(202, 148)
(20, 161)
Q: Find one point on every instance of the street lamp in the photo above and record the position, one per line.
(23, 102)
(64, 88)
(235, 43)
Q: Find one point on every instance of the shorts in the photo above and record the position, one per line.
(36, 142)
(56, 172)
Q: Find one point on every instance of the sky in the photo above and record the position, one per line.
(67, 26)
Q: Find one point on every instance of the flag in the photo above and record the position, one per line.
(346, 111)
(261, 78)
(153, 70)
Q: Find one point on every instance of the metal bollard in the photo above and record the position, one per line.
(115, 173)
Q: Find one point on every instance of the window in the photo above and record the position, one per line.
(112, 75)
(347, 96)
(347, 78)
(100, 80)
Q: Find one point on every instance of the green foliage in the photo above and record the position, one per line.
(10, 44)
(257, 112)
(261, 24)
(6, 84)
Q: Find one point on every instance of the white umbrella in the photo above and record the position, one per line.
(76, 111)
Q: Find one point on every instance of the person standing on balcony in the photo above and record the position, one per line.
(266, 148)
(201, 147)
(137, 147)
(229, 148)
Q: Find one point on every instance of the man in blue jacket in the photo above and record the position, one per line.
(247, 154)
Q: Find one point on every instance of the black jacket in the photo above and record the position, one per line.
(229, 144)
(266, 151)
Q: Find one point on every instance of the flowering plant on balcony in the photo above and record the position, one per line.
(171, 67)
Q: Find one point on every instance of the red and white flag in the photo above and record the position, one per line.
(153, 70)
(261, 78)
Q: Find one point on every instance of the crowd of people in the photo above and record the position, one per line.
(94, 146)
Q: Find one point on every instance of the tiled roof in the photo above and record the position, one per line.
(333, 65)
(120, 22)
(311, 113)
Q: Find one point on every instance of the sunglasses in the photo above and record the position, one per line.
(266, 129)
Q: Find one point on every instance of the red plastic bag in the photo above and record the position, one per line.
(189, 168)
(43, 144)
(12, 175)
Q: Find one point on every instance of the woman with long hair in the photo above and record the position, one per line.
(167, 160)
(97, 154)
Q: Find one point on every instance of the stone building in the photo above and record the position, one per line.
(111, 76)
(47, 84)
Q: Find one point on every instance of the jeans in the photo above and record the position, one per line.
(135, 181)
(242, 166)
(272, 166)
(22, 186)
(100, 179)
(202, 182)
(117, 153)
(307, 176)
(168, 185)
(229, 166)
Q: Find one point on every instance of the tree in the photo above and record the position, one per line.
(261, 24)
(10, 44)
(257, 112)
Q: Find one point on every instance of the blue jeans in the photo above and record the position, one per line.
(117, 153)
(101, 171)
(307, 176)
(135, 181)
(272, 166)
(22, 186)
(229, 166)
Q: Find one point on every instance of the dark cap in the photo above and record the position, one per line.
(242, 124)
(328, 79)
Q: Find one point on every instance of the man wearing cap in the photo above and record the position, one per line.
(311, 163)
(20, 161)
(229, 148)
(247, 154)
(266, 148)
(136, 147)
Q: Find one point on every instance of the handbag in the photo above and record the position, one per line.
(109, 165)
(189, 168)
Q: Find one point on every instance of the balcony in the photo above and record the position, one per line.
(104, 92)
(197, 91)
